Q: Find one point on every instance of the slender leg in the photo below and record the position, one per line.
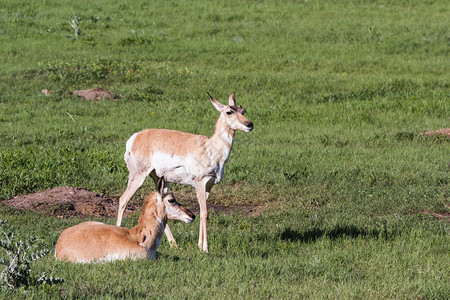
(200, 188)
(170, 237)
(134, 183)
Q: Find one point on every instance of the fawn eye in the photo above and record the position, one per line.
(229, 113)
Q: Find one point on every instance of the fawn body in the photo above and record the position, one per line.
(95, 241)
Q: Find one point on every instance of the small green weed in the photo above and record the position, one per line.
(75, 24)
(19, 255)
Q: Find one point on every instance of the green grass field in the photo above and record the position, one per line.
(338, 91)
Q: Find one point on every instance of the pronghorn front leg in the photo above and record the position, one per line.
(201, 197)
(202, 188)
(170, 237)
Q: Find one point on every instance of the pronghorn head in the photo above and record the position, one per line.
(173, 209)
(233, 115)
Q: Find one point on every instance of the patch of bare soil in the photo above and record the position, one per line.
(68, 201)
(94, 94)
(443, 131)
(90, 94)
(441, 216)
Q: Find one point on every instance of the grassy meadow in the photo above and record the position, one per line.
(347, 188)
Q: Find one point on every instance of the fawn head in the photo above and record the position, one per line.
(173, 209)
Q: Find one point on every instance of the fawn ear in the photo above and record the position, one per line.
(219, 106)
(160, 189)
(232, 100)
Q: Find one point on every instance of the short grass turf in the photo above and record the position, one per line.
(339, 92)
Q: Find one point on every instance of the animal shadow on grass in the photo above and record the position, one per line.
(339, 231)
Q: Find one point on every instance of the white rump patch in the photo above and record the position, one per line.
(130, 142)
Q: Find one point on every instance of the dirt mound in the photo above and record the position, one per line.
(90, 94)
(443, 132)
(94, 94)
(445, 216)
(69, 202)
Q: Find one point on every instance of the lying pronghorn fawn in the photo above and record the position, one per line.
(184, 158)
(95, 241)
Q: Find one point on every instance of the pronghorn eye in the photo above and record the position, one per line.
(229, 113)
(171, 200)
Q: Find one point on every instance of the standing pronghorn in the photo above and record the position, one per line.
(95, 241)
(184, 158)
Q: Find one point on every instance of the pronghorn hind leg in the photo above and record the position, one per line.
(134, 182)
(167, 231)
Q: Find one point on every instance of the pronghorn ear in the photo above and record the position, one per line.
(160, 189)
(232, 100)
(219, 106)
